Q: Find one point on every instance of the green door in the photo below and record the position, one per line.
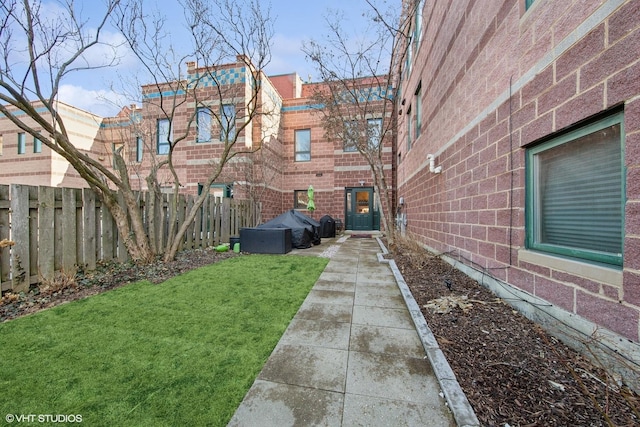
(359, 208)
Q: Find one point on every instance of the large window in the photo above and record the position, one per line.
(139, 149)
(409, 129)
(417, 26)
(303, 145)
(374, 133)
(165, 135)
(418, 113)
(228, 122)
(350, 137)
(22, 143)
(300, 199)
(203, 124)
(37, 145)
(575, 193)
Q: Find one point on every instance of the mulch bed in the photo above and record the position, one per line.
(512, 371)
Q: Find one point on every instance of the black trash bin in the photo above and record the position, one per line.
(327, 226)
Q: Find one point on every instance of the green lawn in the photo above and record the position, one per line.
(184, 352)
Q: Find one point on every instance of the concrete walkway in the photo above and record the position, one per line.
(351, 355)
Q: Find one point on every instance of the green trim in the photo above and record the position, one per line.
(528, 4)
(531, 208)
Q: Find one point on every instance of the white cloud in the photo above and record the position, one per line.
(101, 102)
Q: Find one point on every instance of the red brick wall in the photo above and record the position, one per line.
(494, 79)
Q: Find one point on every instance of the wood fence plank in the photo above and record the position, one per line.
(20, 262)
(5, 253)
(190, 234)
(181, 206)
(33, 235)
(89, 213)
(217, 223)
(69, 239)
(197, 229)
(225, 226)
(108, 240)
(46, 237)
(122, 253)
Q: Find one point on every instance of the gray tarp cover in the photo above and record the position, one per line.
(305, 231)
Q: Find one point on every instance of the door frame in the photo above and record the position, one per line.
(353, 219)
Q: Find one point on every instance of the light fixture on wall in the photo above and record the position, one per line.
(432, 164)
(361, 183)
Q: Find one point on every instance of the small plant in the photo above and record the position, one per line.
(9, 297)
(61, 280)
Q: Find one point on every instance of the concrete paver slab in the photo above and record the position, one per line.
(273, 404)
(325, 311)
(333, 297)
(375, 412)
(391, 376)
(382, 316)
(317, 333)
(307, 366)
(375, 339)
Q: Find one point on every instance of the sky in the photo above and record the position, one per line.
(294, 21)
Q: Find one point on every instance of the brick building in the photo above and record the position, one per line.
(25, 160)
(200, 113)
(531, 110)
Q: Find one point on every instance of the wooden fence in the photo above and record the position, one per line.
(59, 229)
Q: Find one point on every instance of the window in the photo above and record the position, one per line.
(417, 27)
(418, 118)
(575, 193)
(409, 129)
(300, 199)
(165, 136)
(37, 145)
(203, 124)
(228, 122)
(22, 143)
(303, 145)
(374, 133)
(350, 137)
(139, 148)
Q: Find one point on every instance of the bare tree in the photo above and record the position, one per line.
(224, 32)
(359, 92)
(39, 51)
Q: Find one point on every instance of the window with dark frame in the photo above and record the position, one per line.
(302, 145)
(228, 122)
(300, 199)
(37, 145)
(575, 193)
(374, 133)
(350, 137)
(22, 143)
(139, 149)
(418, 111)
(203, 124)
(165, 135)
(409, 129)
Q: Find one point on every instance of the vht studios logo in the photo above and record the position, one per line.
(43, 418)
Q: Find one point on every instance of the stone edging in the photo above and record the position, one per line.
(456, 399)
